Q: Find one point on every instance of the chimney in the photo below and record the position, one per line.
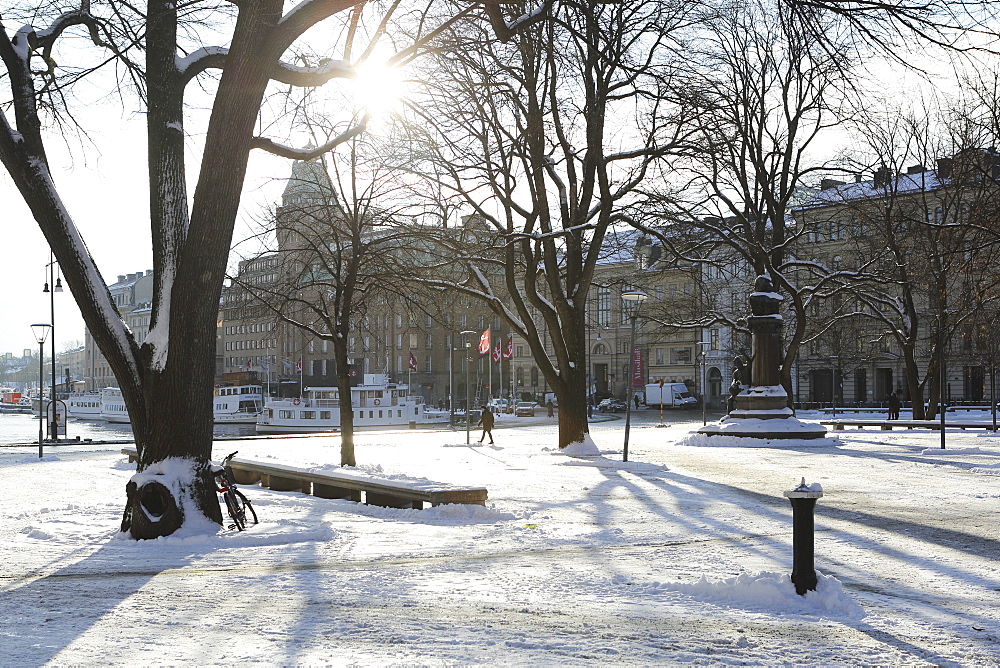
(882, 175)
(857, 178)
(915, 169)
(121, 278)
(826, 184)
(944, 168)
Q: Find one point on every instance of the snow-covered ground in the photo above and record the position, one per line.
(680, 555)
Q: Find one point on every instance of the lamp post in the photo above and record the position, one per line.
(41, 332)
(56, 283)
(942, 379)
(701, 356)
(833, 384)
(468, 397)
(631, 304)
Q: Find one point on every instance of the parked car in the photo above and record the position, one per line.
(612, 405)
(524, 409)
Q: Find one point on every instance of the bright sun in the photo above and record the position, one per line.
(378, 88)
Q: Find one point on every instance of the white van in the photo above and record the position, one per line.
(671, 395)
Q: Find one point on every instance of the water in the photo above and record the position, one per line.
(23, 428)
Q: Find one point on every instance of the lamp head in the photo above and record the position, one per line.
(41, 331)
(632, 301)
(58, 286)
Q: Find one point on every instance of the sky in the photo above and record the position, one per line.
(680, 556)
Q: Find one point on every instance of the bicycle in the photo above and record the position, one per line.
(236, 503)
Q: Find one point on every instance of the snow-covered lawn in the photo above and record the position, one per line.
(680, 555)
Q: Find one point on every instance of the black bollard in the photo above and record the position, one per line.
(803, 500)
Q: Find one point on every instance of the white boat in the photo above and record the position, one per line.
(84, 405)
(238, 404)
(376, 403)
(113, 406)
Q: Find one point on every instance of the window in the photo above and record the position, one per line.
(680, 355)
(482, 322)
(428, 322)
(399, 320)
(413, 341)
(713, 335)
(659, 356)
(427, 364)
(463, 321)
(603, 307)
(399, 342)
(429, 341)
(520, 351)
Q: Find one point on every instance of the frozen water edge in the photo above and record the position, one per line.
(680, 555)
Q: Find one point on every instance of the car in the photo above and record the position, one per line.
(524, 409)
(612, 405)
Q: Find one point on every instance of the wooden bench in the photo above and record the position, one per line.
(349, 485)
(887, 425)
(951, 409)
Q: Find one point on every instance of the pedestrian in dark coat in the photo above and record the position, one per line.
(894, 405)
(551, 407)
(487, 420)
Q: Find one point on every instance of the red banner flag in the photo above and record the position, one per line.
(298, 366)
(413, 362)
(507, 354)
(484, 343)
(496, 352)
(638, 377)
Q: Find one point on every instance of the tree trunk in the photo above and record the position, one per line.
(346, 405)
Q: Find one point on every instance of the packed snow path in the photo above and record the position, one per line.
(681, 555)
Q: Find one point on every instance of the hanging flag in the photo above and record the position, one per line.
(496, 352)
(249, 365)
(509, 352)
(638, 377)
(413, 362)
(298, 366)
(265, 367)
(484, 343)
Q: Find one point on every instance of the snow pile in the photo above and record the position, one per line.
(952, 451)
(768, 591)
(585, 448)
(721, 441)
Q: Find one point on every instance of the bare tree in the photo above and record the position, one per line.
(343, 243)
(167, 381)
(544, 138)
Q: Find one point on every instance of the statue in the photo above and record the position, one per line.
(739, 376)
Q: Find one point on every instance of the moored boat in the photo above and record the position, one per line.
(84, 405)
(237, 404)
(376, 403)
(113, 406)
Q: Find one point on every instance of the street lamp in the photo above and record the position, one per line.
(468, 397)
(631, 305)
(41, 332)
(701, 355)
(56, 282)
(833, 384)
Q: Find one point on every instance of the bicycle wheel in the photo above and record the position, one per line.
(247, 506)
(236, 512)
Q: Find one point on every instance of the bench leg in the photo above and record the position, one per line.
(288, 484)
(838, 427)
(241, 477)
(887, 427)
(331, 492)
(389, 501)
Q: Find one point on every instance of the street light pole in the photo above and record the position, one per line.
(941, 371)
(833, 384)
(56, 283)
(41, 331)
(468, 396)
(704, 352)
(631, 303)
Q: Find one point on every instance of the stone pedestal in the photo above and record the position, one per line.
(761, 409)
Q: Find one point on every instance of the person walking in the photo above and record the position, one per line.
(550, 406)
(487, 420)
(894, 405)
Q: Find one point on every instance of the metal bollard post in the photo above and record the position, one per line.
(803, 500)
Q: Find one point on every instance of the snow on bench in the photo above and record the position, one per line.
(349, 484)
